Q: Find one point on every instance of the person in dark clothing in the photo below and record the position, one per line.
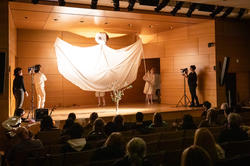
(25, 147)
(192, 83)
(89, 127)
(113, 148)
(98, 132)
(136, 152)
(187, 123)
(70, 121)
(18, 87)
(233, 132)
(118, 123)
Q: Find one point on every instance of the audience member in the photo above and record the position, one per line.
(195, 156)
(98, 130)
(25, 147)
(118, 123)
(89, 126)
(187, 123)
(109, 128)
(14, 121)
(113, 148)
(47, 124)
(76, 141)
(68, 124)
(233, 132)
(211, 120)
(206, 106)
(204, 138)
(136, 152)
(157, 121)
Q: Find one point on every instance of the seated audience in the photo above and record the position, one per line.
(98, 130)
(14, 121)
(195, 156)
(70, 121)
(26, 147)
(113, 148)
(109, 128)
(205, 139)
(157, 121)
(233, 132)
(140, 125)
(118, 123)
(48, 134)
(89, 126)
(136, 152)
(187, 123)
(206, 106)
(211, 120)
(76, 141)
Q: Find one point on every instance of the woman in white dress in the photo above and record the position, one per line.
(100, 95)
(149, 77)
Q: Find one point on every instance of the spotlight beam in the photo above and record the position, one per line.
(161, 5)
(241, 13)
(217, 11)
(227, 12)
(131, 5)
(191, 9)
(177, 7)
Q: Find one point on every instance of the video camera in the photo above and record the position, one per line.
(32, 69)
(184, 70)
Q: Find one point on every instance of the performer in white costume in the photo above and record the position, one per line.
(100, 95)
(149, 77)
(39, 81)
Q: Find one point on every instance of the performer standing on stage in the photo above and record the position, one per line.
(192, 83)
(100, 95)
(39, 81)
(149, 77)
(18, 87)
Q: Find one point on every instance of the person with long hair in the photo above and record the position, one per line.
(195, 156)
(149, 78)
(205, 139)
(18, 87)
(157, 121)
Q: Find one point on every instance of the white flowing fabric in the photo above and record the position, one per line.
(98, 68)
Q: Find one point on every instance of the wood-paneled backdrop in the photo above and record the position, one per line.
(233, 40)
(177, 48)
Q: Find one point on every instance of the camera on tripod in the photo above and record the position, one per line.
(32, 69)
(184, 70)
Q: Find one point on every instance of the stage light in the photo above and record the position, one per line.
(61, 2)
(176, 8)
(227, 12)
(241, 13)
(161, 5)
(216, 11)
(116, 4)
(131, 5)
(35, 1)
(191, 9)
(94, 4)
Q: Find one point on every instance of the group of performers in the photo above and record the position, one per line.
(149, 89)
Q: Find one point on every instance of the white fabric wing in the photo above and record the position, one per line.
(96, 68)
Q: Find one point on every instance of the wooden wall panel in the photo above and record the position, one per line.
(233, 40)
(37, 47)
(184, 47)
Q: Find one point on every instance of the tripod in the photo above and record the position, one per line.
(185, 97)
(32, 97)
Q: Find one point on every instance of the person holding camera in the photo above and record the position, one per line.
(192, 83)
(39, 82)
(18, 87)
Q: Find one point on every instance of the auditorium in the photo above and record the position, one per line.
(124, 82)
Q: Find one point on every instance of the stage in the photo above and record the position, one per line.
(127, 110)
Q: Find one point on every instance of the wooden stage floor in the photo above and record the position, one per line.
(83, 112)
